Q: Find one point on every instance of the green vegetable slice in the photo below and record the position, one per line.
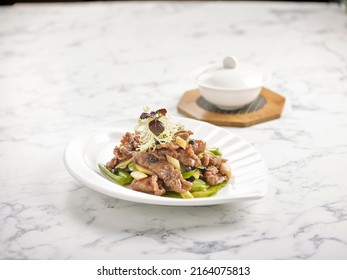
(204, 190)
(195, 173)
(186, 195)
(215, 151)
(209, 191)
(172, 194)
(119, 176)
(199, 185)
(132, 166)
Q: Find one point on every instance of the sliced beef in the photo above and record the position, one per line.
(210, 159)
(199, 146)
(213, 177)
(216, 160)
(148, 185)
(186, 185)
(161, 153)
(172, 177)
(184, 134)
(121, 153)
(188, 157)
(112, 163)
(169, 146)
(127, 141)
(137, 142)
(205, 160)
(130, 141)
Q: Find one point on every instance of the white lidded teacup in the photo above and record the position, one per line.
(230, 85)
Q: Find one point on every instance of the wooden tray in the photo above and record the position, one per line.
(267, 106)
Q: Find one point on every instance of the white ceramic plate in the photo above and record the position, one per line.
(95, 146)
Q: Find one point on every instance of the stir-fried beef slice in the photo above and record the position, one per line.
(161, 153)
(127, 141)
(172, 177)
(213, 177)
(169, 146)
(186, 185)
(216, 161)
(161, 183)
(112, 163)
(148, 185)
(183, 157)
(130, 141)
(184, 134)
(199, 146)
(121, 153)
(212, 160)
(188, 157)
(137, 142)
(205, 160)
(155, 156)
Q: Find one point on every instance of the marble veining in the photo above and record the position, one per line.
(67, 67)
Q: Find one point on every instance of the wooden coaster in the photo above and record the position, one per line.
(266, 107)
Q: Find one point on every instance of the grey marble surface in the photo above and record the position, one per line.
(68, 67)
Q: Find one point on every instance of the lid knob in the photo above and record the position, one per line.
(229, 62)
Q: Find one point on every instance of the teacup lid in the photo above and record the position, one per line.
(231, 75)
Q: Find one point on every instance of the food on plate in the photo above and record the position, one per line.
(162, 157)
